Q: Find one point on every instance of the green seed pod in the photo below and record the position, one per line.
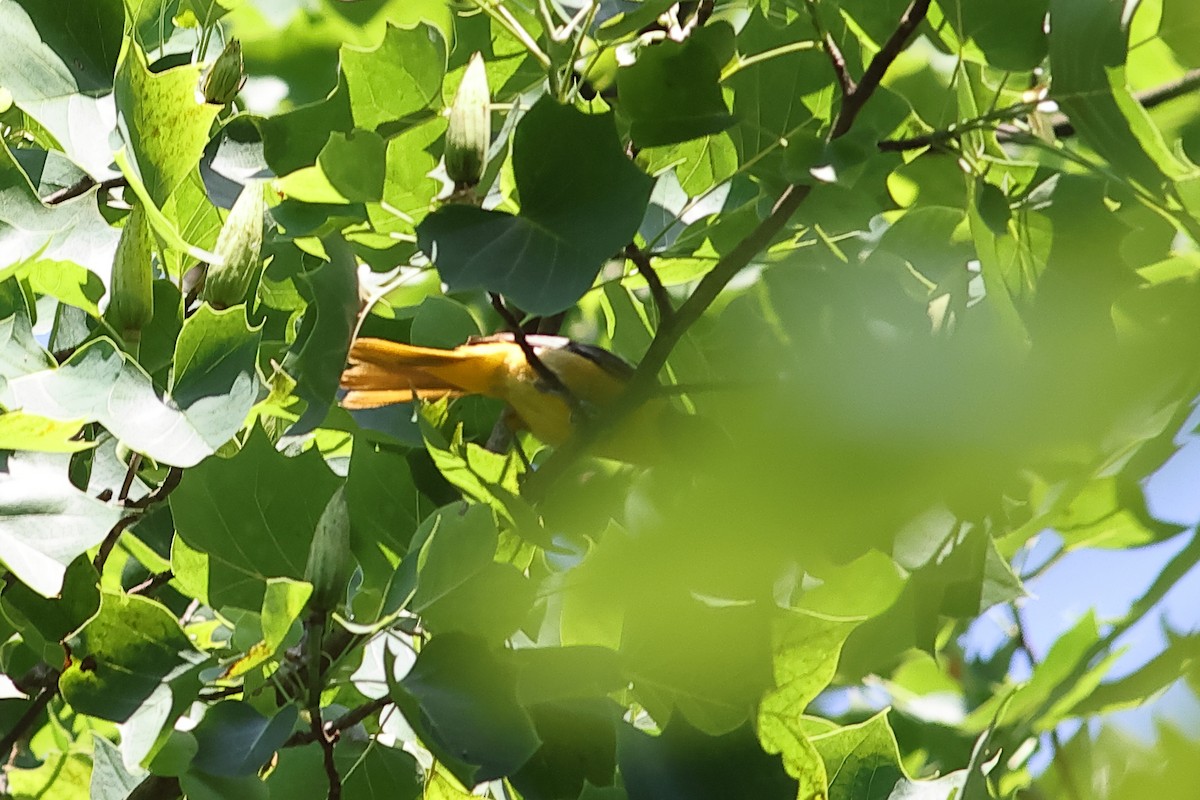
(470, 131)
(239, 247)
(329, 560)
(221, 82)
(131, 292)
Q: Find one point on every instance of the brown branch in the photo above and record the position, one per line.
(347, 720)
(853, 102)
(152, 583)
(161, 492)
(135, 462)
(645, 377)
(836, 59)
(547, 375)
(82, 186)
(331, 771)
(1061, 126)
(662, 300)
(110, 541)
(31, 715)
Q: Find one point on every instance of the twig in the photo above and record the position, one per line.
(853, 102)
(22, 725)
(153, 582)
(347, 720)
(135, 462)
(81, 187)
(658, 291)
(1059, 123)
(545, 373)
(160, 493)
(836, 59)
(110, 541)
(331, 771)
(219, 694)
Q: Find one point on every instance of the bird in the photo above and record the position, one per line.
(383, 372)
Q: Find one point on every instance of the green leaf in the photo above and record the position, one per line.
(790, 127)
(21, 431)
(581, 202)
(235, 741)
(253, 515)
(400, 77)
(1088, 46)
(385, 505)
(100, 383)
(349, 169)
(807, 650)
(44, 622)
(111, 779)
(1011, 35)
(316, 358)
(32, 234)
(162, 121)
(1111, 512)
(862, 760)
(460, 697)
(45, 522)
(58, 59)
(684, 764)
(369, 772)
(215, 379)
(672, 92)
(283, 602)
(123, 655)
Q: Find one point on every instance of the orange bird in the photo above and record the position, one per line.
(382, 372)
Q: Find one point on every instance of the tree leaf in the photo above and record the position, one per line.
(45, 522)
(125, 653)
(400, 77)
(460, 697)
(581, 202)
(684, 764)
(234, 740)
(672, 92)
(253, 515)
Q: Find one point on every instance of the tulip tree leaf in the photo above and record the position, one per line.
(253, 515)
(581, 202)
(163, 122)
(401, 76)
(123, 655)
(45, 522)
(672, 92)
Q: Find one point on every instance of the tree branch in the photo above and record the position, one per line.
(853, 102)
(82, 186)
(1061, 126)
(544, 373)
(110, 541)
(836, 59)
(160, 493)
(347, 720)
(31, 715)
(662, 300)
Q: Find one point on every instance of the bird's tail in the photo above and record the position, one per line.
(383, 372)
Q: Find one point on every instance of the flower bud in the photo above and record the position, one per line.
(329, 560)
(221, 82)
(470, 131)
(131, 289)
(239, 248)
